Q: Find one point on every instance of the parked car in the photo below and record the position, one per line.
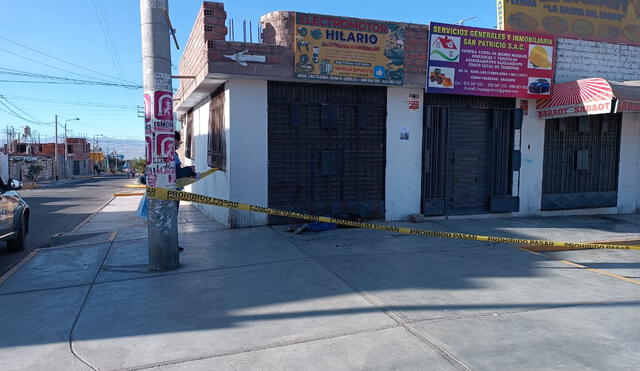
(14, 215)
(540, 86)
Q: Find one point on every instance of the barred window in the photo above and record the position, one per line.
(189, 143)
(216, 152)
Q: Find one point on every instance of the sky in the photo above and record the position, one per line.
(100, 40)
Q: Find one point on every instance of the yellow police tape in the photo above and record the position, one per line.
(167, 194)
(179, 183)
(190, 180)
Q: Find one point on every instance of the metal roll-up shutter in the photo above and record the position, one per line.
(581, 162)
(327, 149)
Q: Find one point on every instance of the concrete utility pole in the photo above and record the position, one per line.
(55, 153)
(162, 218)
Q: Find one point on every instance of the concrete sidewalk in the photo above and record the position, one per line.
(264, 299)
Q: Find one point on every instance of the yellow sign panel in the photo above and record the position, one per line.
(348, 49)
(614, 21)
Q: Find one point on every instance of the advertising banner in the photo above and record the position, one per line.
(348, 49)
(485, 62)
(577, 98)
(614, 21)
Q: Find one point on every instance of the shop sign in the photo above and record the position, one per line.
(614, 21)
(348, 49)
(591, 108)
(486, 62)
(627, 106)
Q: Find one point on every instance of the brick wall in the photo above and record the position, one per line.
(194, 58)
(579, 59)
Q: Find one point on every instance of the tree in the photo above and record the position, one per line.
(139, 164)
(34, 172)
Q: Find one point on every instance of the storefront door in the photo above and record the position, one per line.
(581, 161)
(327, 149)
(469, 159)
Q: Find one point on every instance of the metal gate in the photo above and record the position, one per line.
(470, 157)
(327, 149)
(76, 167)
(581, 160)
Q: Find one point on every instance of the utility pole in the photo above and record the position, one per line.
(162, 223)
(55, 155)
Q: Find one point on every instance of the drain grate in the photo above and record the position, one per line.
(67, 240)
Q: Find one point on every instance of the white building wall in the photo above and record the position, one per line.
(245, 177)
(581, 59)
(628, 182)
(532, 151)
(247, 153)
(404, 157)
(217, 184)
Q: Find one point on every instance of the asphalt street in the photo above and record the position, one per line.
(59, 209)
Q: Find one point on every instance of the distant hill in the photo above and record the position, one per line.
(130, 148)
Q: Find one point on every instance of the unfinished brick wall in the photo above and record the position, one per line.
(278, 28)
(207, 52)
(580, 59)
(415, 54)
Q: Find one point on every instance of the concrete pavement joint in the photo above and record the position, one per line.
(43, 290)
(580, 266)
(276, 345)
(387, 310)
(84, 302)
(527, 310)
(16, 267)
(158, 275)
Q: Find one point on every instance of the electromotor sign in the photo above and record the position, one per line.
(486, 62)
(348, 49)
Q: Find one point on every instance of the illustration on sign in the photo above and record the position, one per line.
(348, 49)
(149, 148)
(414, 102)
(163, 105)
(614, 21)
(164, 146)
(484, 62)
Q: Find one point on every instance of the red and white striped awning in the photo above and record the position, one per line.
(577, 98)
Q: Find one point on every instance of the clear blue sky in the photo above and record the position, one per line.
(74, 31)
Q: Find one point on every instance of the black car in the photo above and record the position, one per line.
(540, 86)
(14, 215)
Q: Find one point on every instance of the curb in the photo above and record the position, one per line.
(33, 186)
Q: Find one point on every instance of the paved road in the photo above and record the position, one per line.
(59, 209)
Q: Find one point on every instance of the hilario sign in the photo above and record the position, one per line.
(614, 21)
(478, 61)
(348, 49)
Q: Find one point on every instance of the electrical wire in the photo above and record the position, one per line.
(64, 61)
(11, 112)
(50, 66)
(59, 79)
(74, 103)
(19, 109)
(105, 28)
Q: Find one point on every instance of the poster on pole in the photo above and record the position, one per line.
(486, 62)
(348, 49)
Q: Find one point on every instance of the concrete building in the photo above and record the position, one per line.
(78, 161)
(385, 150)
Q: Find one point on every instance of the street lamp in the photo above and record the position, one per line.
(66, 151)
